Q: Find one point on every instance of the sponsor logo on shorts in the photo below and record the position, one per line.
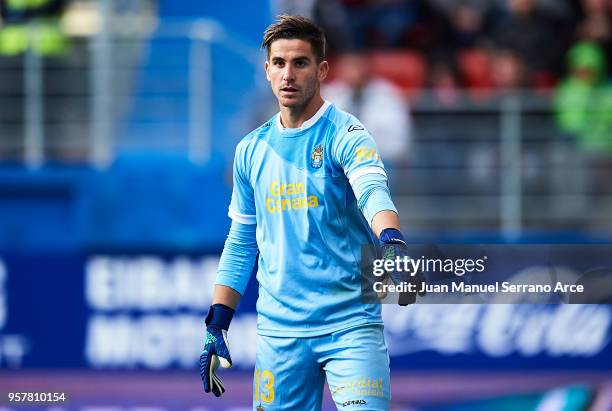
(368, 387)
(353, 402)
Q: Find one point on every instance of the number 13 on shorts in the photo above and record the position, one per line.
(264, 386)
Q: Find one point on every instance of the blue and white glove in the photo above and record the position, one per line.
(216, 349)
(394, 245)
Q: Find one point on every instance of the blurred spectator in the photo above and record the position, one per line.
(444, 83)
(382, 23)
(596, 24)
(583, 100)
(538, 37)
(329, 14)
(475, 71)
(508, 71)
(32, 24)
(377, 102)
(461, 24)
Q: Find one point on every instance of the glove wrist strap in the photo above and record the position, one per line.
(219, 315)
(391, 236)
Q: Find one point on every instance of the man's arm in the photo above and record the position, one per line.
(226, 295)
(236, 264)
(385, 219)
(358, 156)
(235, 267)
(375, 202)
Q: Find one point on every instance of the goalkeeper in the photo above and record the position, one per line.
(309, 190)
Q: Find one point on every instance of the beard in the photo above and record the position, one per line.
(304, 97)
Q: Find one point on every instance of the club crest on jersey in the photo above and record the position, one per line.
(316, 157)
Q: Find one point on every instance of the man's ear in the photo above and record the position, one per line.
(267, 67)
(323, 70)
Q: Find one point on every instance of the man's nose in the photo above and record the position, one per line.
(288, 74)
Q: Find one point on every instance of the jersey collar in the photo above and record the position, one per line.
(306, 124)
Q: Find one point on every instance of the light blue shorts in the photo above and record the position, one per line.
(290, 372)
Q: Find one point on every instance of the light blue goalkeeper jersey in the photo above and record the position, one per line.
(295, 184)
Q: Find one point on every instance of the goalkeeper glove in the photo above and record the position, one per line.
(216, 349)
(393, 245)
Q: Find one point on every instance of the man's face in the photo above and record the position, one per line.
(293, 72)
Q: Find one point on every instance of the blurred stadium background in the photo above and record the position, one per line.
(118, 120)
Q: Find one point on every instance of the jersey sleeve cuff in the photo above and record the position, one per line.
(366, 170)
(241, 218)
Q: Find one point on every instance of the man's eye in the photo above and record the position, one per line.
(300, 64)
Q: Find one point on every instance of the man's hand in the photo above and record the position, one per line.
(216, 349)
(393, 245)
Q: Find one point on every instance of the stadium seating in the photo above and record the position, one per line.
(407, 69)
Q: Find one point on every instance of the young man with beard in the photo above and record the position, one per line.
(309, 190)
